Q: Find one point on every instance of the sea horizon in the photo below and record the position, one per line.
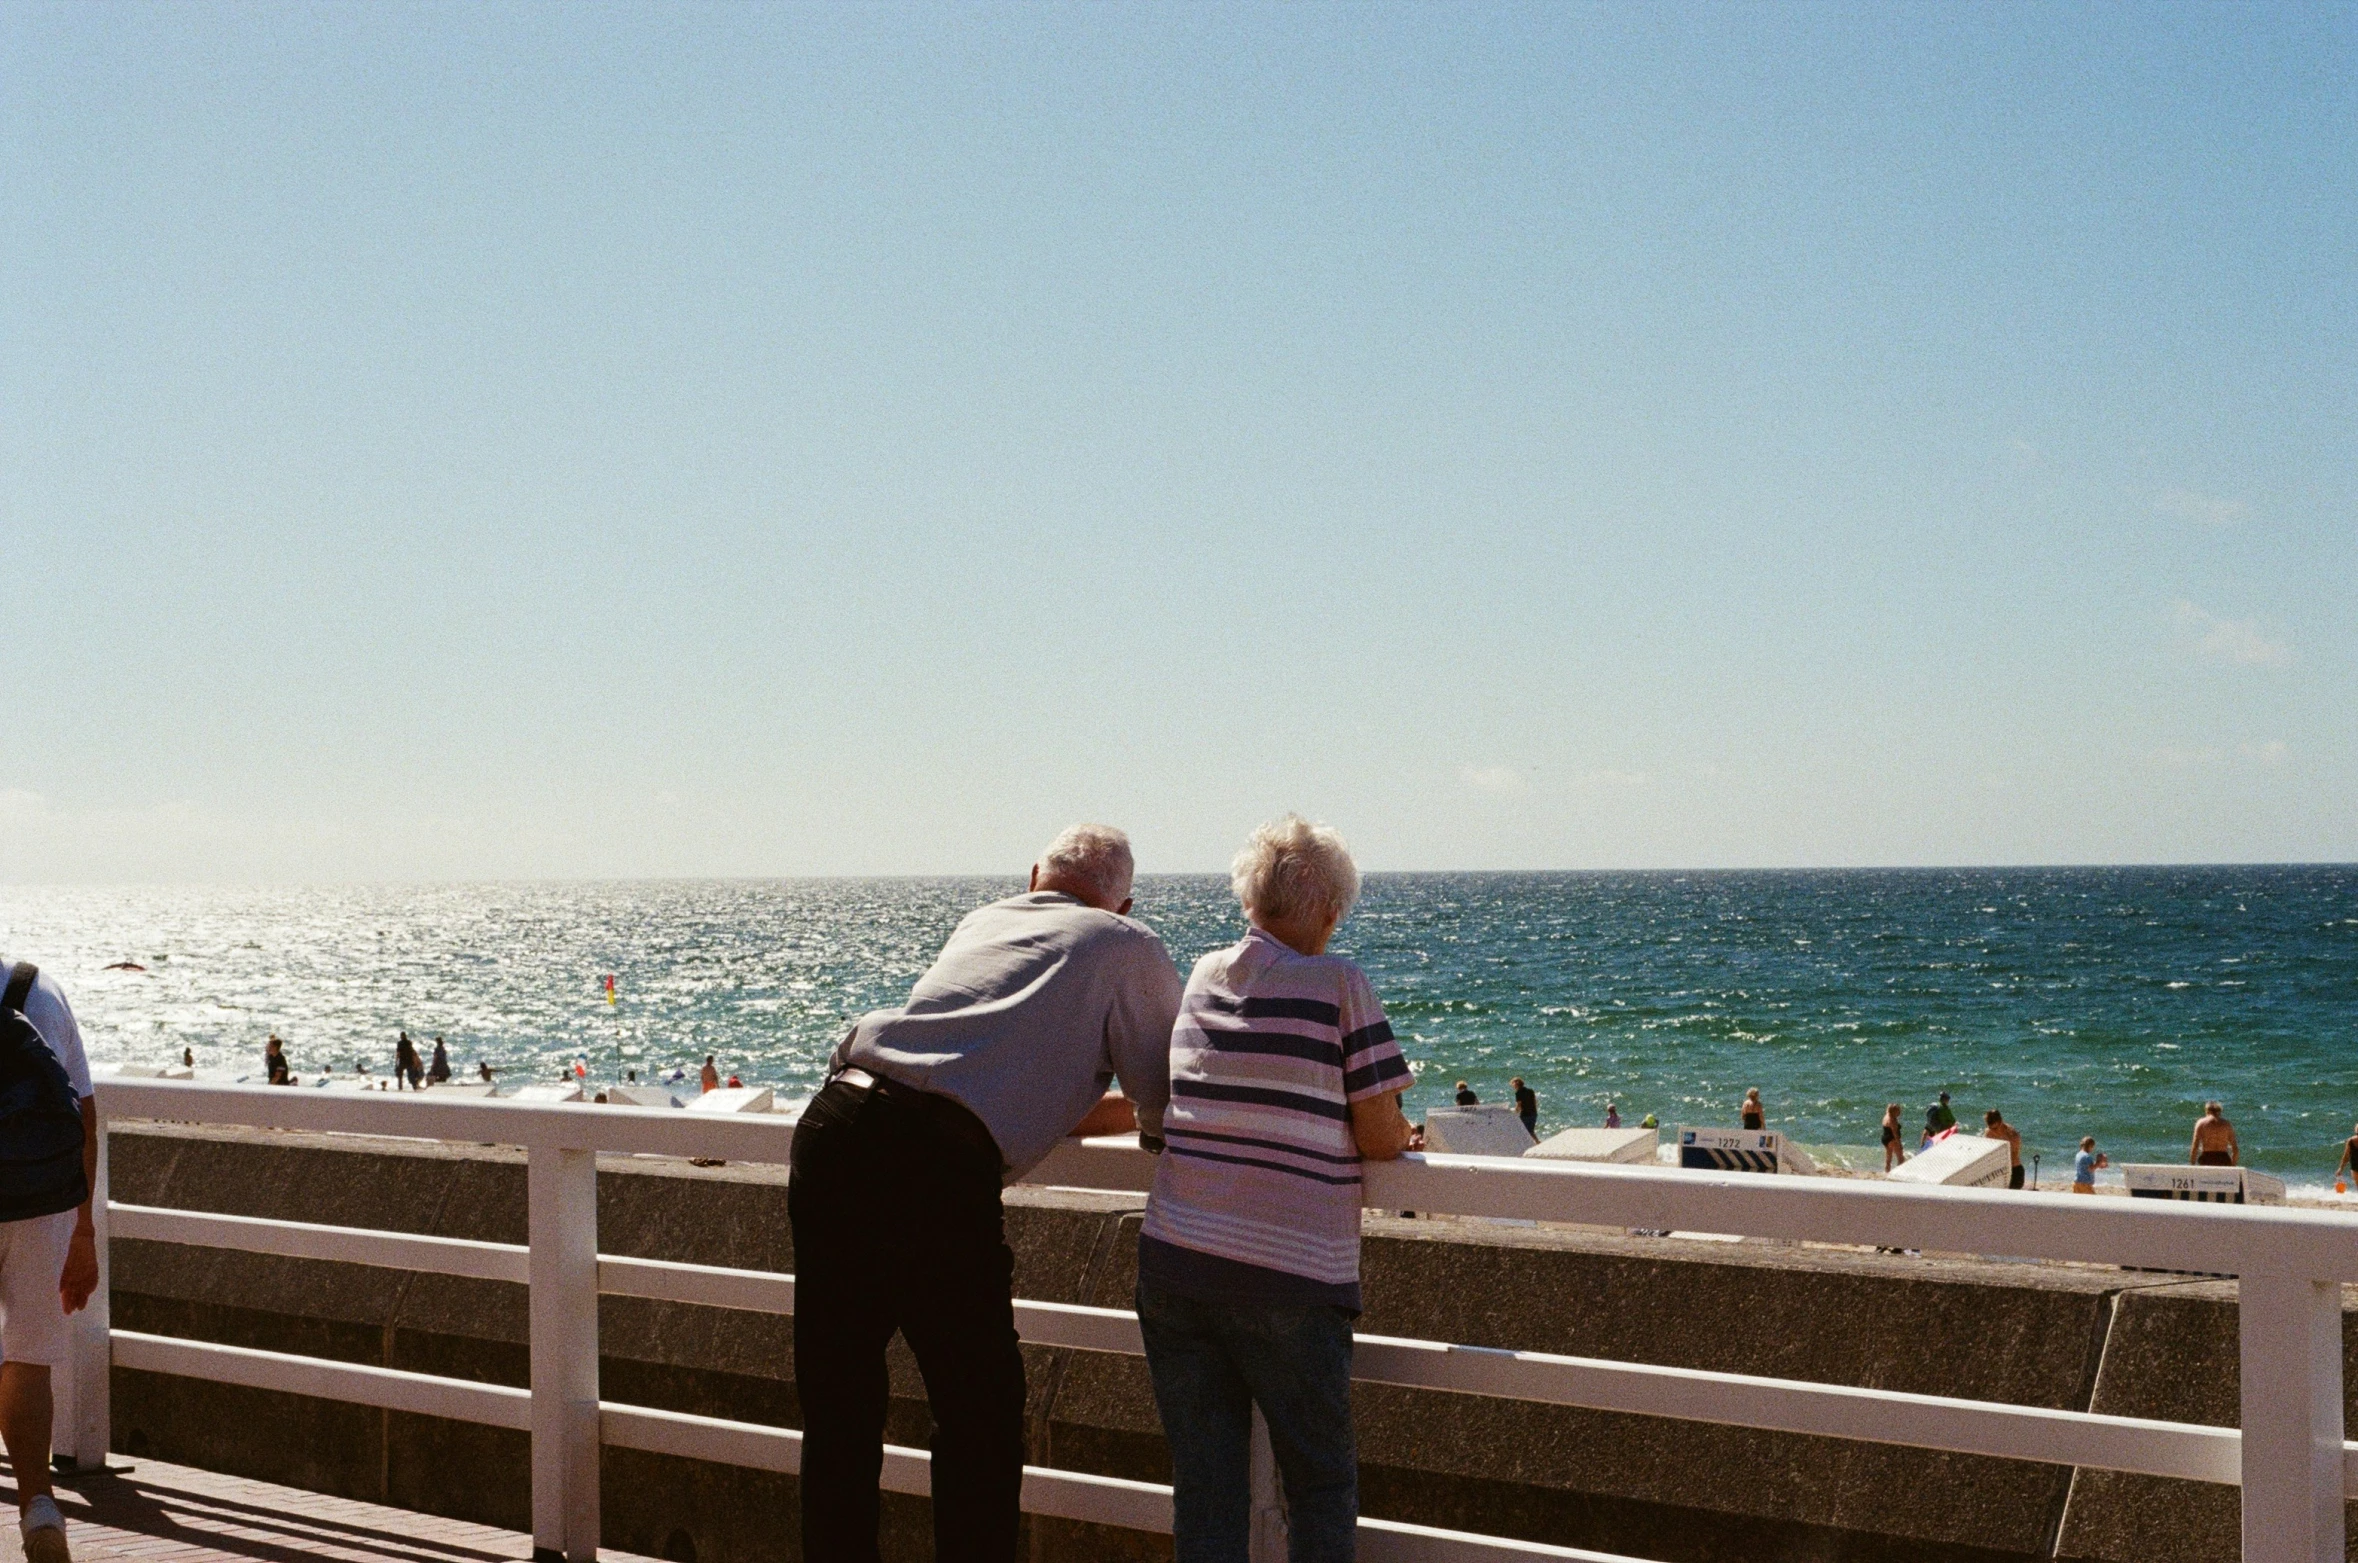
(2107, 999)
(361, 882)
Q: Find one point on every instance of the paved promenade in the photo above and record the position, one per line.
(154, 1511)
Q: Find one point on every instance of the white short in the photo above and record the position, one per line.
(32, 1316)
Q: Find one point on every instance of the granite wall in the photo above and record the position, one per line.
(1681, 1492)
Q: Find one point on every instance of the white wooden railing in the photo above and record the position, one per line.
(2289, 1456)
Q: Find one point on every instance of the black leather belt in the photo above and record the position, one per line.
(956, 1122)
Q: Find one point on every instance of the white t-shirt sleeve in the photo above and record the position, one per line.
(53, 1017)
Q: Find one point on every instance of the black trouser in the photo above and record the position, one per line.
(898, 1226)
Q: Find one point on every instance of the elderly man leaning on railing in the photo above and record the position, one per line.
(1005, 1047)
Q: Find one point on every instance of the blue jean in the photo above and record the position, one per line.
(1211, 1364)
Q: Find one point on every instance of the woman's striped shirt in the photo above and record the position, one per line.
(1258, 1190)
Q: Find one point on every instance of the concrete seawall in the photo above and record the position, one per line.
(2053, 1336)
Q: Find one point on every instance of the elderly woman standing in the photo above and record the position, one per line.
(1284, 1075)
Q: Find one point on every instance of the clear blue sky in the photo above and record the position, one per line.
(461, 441)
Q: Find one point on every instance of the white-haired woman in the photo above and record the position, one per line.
(1284, 1076)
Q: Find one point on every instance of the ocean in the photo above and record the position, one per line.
(2104, 1001)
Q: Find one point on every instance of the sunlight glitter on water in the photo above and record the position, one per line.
(2064, 996)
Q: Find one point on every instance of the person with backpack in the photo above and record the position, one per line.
(48, 1248)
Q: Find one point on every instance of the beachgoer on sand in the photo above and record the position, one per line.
(274, 1062)
(1526, 1106)
(2084, 1165)
(438, 1067)
(2214, 1139)
(2349, 1160)
(1893, 1155)
(709, 1076)
(1248, 1267)
(1612, 1115)
(1465, 1095)
(48, 1246)
(1995, 1127)
(1752, 1115)
(1005, 1046)
(407, 1066)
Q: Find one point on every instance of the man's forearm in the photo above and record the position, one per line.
(82, 1217)
(1110, 1115)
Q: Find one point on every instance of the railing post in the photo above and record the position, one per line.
(563, 1231)
(1267, 1541)
(80, 1426)
(2291, 1330)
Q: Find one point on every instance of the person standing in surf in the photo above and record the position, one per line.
(2214, 1139)
(1995, 1127)
(407, 1065)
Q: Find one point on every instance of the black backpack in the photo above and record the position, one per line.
(40, 1116)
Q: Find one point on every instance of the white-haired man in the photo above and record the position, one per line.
(1005, 1046)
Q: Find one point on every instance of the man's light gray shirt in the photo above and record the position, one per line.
(1033, 1007)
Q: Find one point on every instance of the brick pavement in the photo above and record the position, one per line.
(160, 1513)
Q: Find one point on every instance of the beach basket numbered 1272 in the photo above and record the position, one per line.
(1730, 1150)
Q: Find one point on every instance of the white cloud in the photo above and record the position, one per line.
(1499, 779)
(45, 840)
(1505, 781)
(2267, 755)
(2187, 505)
(2240, 641)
